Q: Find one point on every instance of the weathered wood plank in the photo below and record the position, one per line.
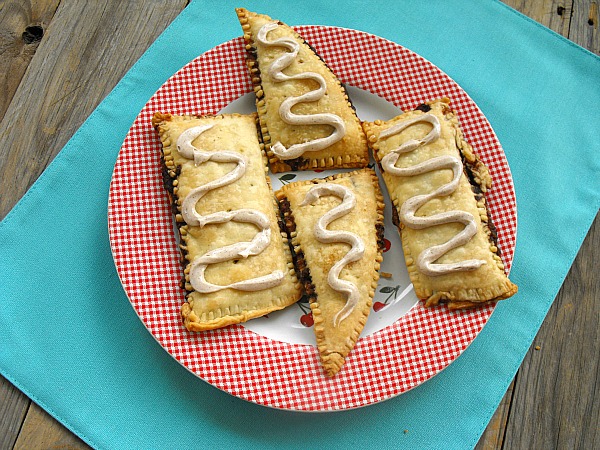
(493, 436)
(557, 15)
(40, 424)
(555, 399)
(554, 14)
(87, 48)
(13, 408)
(22, 27)
(556, 403)
(585, 26)
(41, 431)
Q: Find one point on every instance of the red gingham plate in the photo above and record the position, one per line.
(405, 347)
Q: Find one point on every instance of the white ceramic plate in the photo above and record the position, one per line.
(273, 361)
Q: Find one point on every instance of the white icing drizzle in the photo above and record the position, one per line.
(240, 249)
(285, 109)
(327, 236)
(426, 260)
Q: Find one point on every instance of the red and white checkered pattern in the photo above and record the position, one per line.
(238, 361)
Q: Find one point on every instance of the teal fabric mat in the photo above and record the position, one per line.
(71, 341)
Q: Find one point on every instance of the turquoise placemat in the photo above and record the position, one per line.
(71, 341)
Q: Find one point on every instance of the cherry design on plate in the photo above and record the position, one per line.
(410, 366)
(386, 245)
(306, 318)
(392, 291)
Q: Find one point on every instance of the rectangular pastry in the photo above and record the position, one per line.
(437, 183)
(307, 120)
(235, 253)
(336, 228)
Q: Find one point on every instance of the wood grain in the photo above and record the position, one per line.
(585, 28)
(556, 399)
(42, 431)
(13, 408)
(565, 18)
(49, 86)
(22, 28)
(86, 50)
(493, 437)
(79, 59)
(554, 14)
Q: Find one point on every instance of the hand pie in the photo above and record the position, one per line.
(437, 184)
(306, 118)
(236, 257)
(336, 227)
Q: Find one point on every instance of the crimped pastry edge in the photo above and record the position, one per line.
(169, 172)
(301, 163)
(480, 180)
(332, 361)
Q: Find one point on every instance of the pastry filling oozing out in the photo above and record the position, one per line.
(288, 224)
(302, 270)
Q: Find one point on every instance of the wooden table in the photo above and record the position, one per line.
(61, 58)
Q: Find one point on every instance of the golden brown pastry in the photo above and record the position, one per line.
(306, 118)
(336, 227)
(236, 257)
(437, 184)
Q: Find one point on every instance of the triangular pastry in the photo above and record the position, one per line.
(437, 183)
(236, 257)
(306, 118)
(336, 228)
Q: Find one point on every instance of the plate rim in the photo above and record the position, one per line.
(344, 30)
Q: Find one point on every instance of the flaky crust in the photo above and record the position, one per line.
(314, 259)
(462, 289)
(237, 133)
(350, 152)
